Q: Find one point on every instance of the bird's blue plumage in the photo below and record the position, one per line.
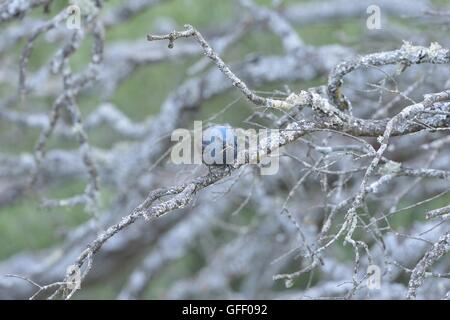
(219, 145)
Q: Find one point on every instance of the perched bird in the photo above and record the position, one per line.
(219, 145)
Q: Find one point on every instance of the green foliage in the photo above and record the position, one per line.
(25, 226)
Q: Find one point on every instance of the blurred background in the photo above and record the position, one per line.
(142, 89)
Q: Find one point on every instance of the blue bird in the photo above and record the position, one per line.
(219, 145)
